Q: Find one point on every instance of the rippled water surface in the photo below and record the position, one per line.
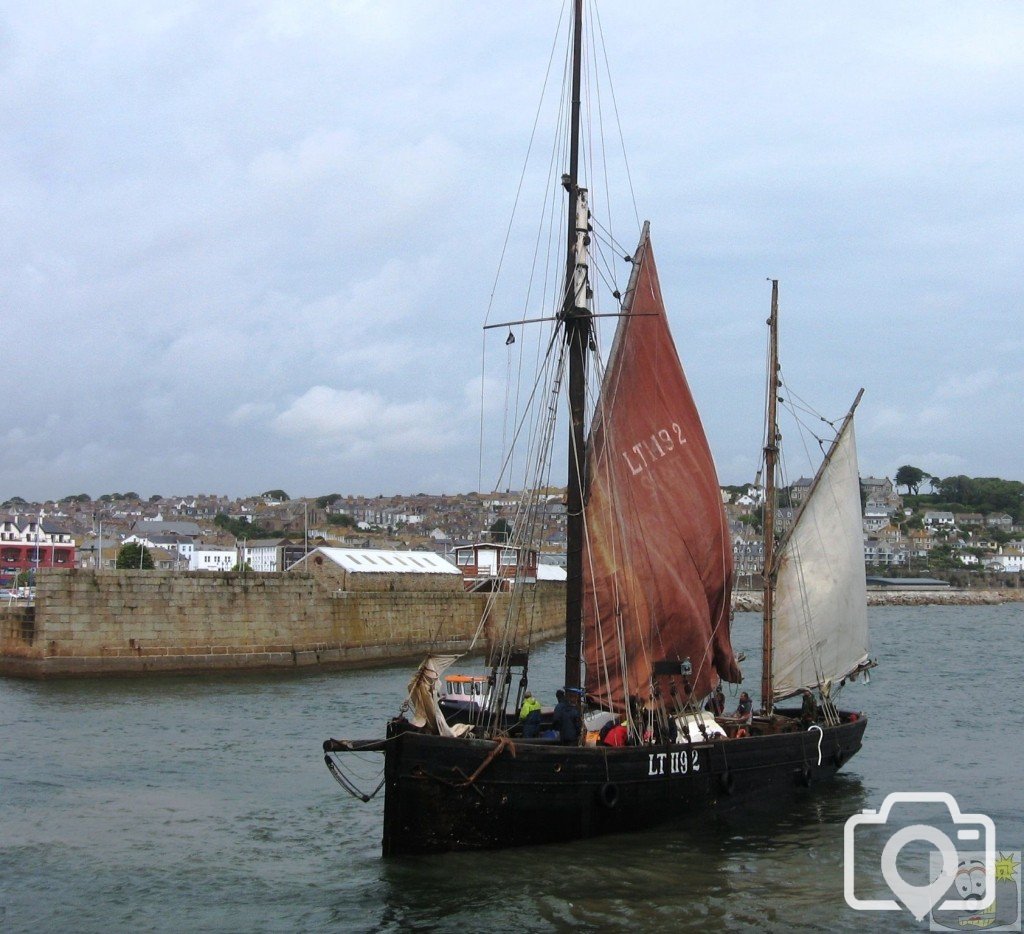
(202, 803)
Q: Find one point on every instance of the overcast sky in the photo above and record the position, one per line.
(251, 245)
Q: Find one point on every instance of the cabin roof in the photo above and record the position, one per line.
(550, 572)
(381, 561)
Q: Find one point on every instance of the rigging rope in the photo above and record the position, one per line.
(618, 121)
(508, 230)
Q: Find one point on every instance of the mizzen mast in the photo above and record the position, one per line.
(575, 315)
(771, 457)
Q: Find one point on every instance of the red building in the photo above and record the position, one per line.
(28, 544)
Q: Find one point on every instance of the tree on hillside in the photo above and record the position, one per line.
(984, 494)
(330, 499)
(501, 530)
(754, 520)
(278, 495)
(240, 528)
(910, 477)
(134, 556)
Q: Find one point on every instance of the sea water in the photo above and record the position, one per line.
(203, 803)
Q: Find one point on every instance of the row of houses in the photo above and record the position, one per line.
(893, 551)
(967, 520)
(886, 544)
(30, 544)
(177, 546)
(441, 524)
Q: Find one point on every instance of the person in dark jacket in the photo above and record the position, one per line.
(566, 719)
(745, 707)
(716, 703)
(808, 707)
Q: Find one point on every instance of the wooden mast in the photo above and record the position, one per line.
(576, 318)
(771, 457)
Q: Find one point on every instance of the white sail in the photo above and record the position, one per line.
(820, 630)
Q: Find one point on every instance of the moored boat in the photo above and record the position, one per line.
(648, 583)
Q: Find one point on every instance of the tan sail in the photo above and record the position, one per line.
(657, 556)
(424, 694)
(820, 623)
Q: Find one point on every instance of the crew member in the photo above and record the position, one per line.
(808, 707)
(529, 716)
(716, 703)
(618, 735)
(566, 720)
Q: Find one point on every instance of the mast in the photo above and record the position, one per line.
(771, 456)
(576, 318)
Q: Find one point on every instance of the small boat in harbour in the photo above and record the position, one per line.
(648, 583)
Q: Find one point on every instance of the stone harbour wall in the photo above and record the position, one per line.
(751, 601)
(88, 622)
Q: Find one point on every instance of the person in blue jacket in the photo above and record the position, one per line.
(566, 720)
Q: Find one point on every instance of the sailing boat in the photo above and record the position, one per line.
(649, 578)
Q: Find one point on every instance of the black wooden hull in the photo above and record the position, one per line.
(446, 794)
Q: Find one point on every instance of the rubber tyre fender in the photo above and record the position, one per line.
(609, 794)
(727, 782)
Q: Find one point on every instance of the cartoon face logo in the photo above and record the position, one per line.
(968, 887)
(970, 879)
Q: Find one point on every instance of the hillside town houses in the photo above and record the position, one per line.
(209, 533)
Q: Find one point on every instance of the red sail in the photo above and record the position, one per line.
(657, 556)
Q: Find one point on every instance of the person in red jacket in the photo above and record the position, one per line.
(618, 735)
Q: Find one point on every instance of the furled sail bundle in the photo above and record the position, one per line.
(820, 620)
(424, 711)
(657, 556)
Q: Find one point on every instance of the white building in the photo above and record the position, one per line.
(1010, 560)
(265, 555)
(212, 558)
(182, 545)
(877, 516)
(374, 569)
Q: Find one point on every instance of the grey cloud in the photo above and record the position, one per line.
(213, 211)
